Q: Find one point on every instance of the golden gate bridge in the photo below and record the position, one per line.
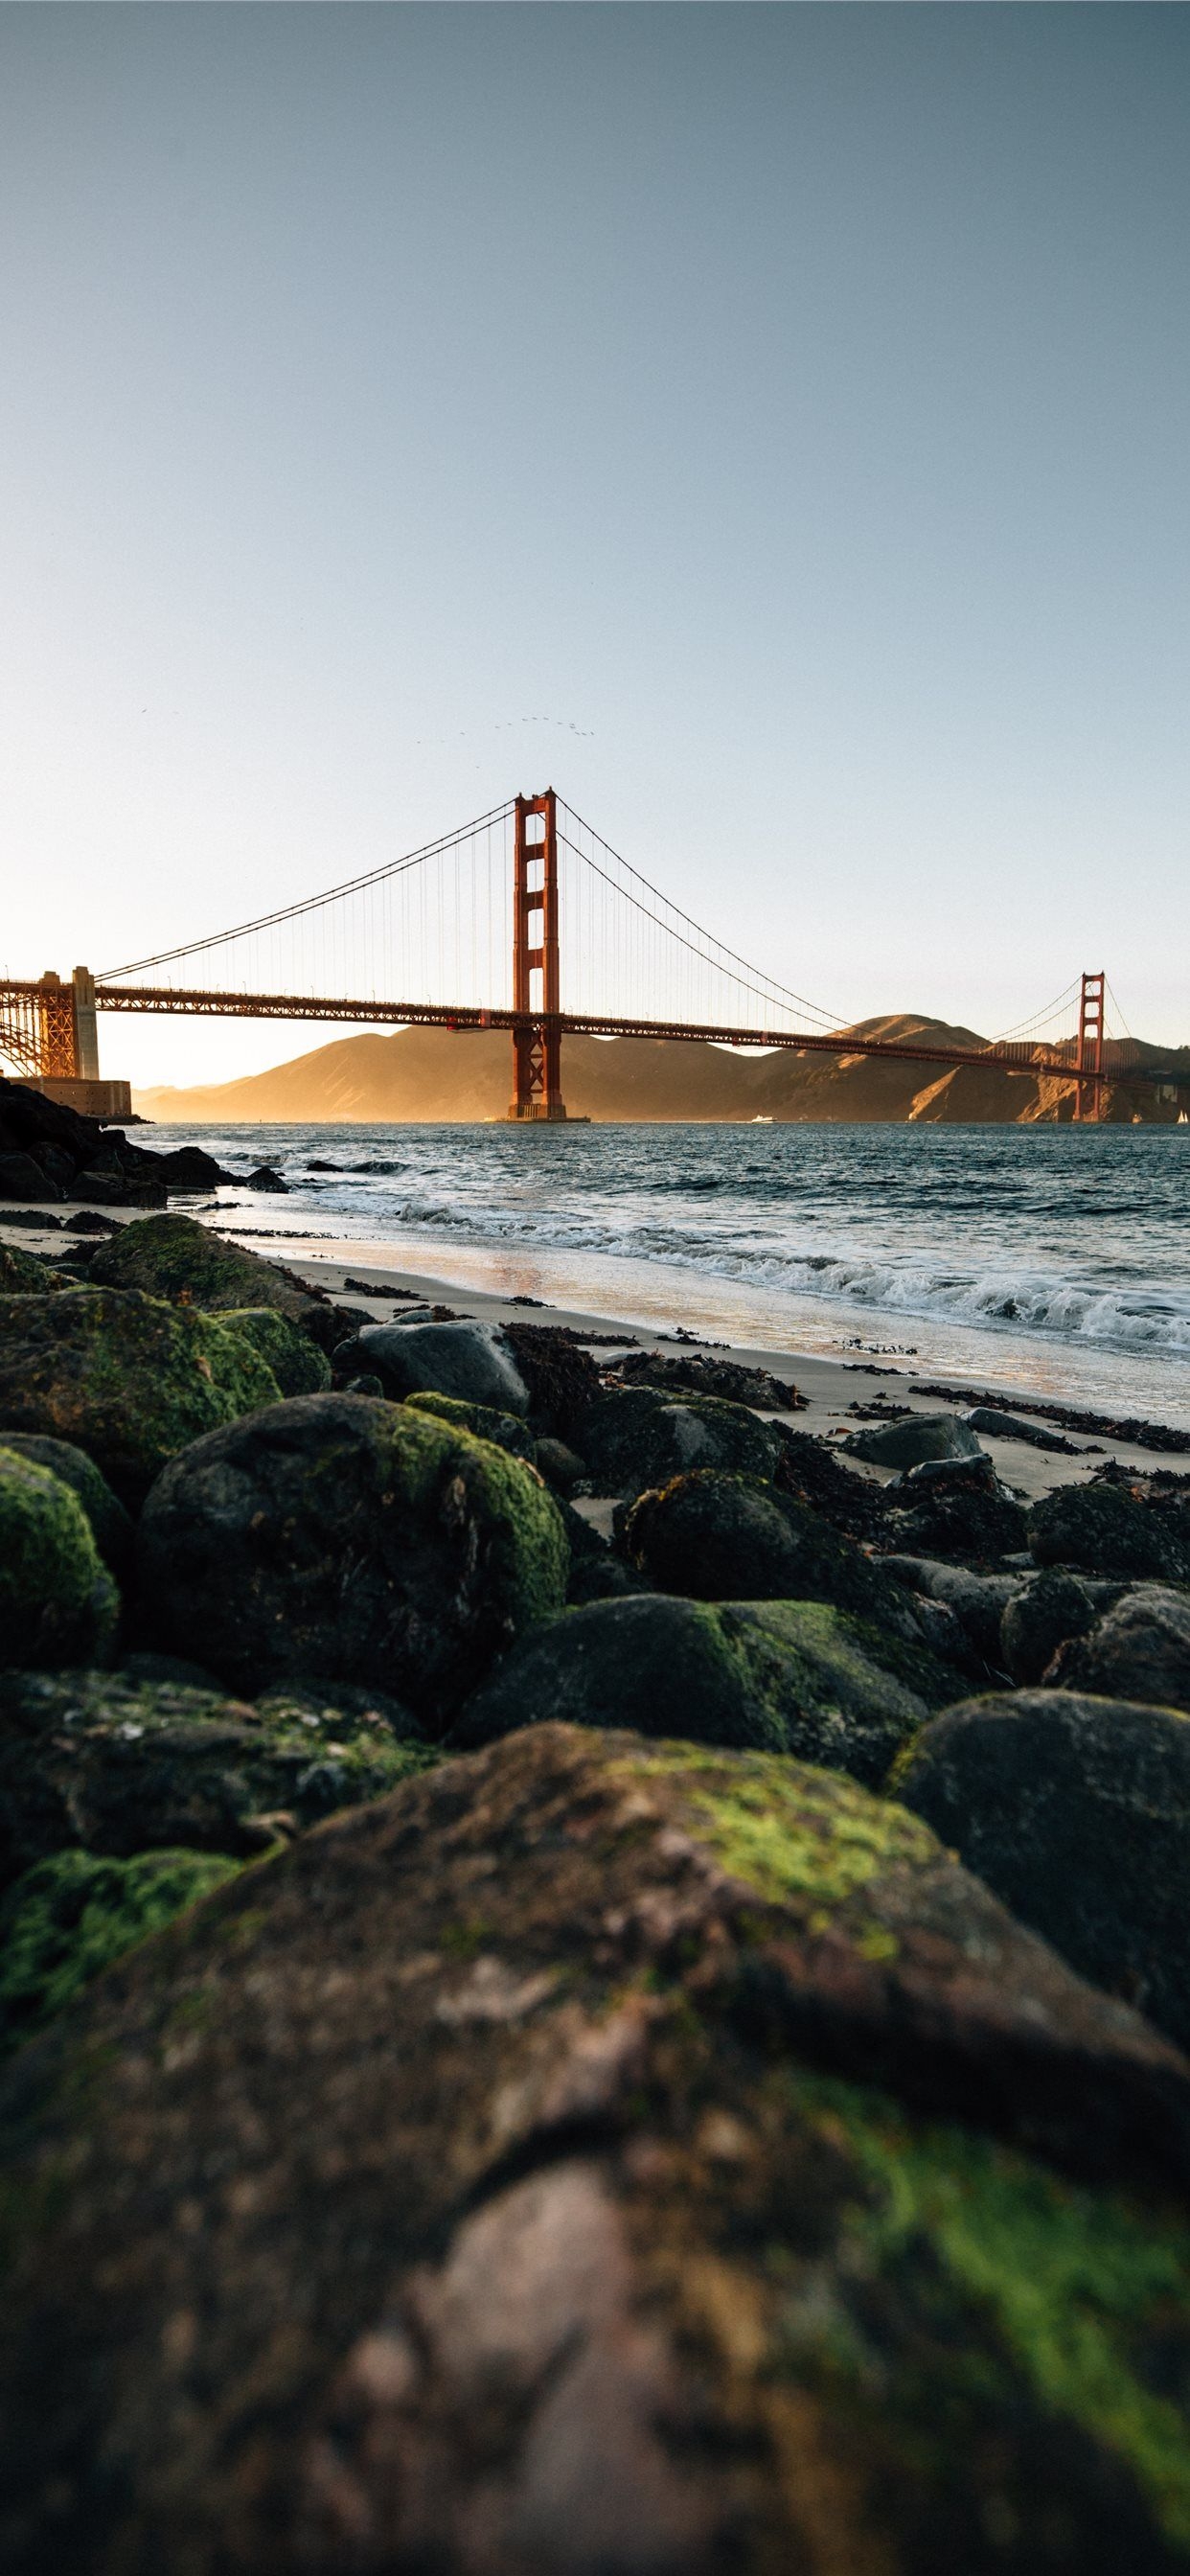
(525, 920)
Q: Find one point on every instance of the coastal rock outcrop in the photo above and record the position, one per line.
(492, 2182)
(347, 1536)
(123, 1377)
(636, 1436)
(1076, 1810)
(472, 1362)
(58, 1605)
(791, 1677)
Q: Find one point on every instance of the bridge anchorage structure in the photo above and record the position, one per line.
(488, 927)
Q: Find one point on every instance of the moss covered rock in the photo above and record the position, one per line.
(123, 1377)
(22, 1274)
(491, 2182)
(345, 1536)
(790, 1676)
(71, 1916)
(1076, 1810)
(111, 1525)
(58, 1605)
(176, 1258)
(504, 1430)
(119, 1766)
(297, 1364)
(637, 1436)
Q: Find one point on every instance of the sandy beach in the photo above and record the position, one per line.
(835, 1391)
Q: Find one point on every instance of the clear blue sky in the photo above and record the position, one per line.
(793, 400)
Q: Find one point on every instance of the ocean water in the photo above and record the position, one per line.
(1054, 1259)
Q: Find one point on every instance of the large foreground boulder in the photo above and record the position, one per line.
(346, 1536)
(1077, 1812)
(123, 1377)
(117, 1766)
(58, 1605)
(1139, 1650)
(472, 1362)
(637, 1436)
(176, 1258)
(787, 1676)
(1104, 1529)
(487, 2185)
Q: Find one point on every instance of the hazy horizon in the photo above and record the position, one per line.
(768, 424)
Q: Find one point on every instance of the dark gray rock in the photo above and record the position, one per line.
(267, 1179)
(920, 1437)
(1139, 1650)
(978, 1600)
(1103, 1529)
(113, 1763)
(791, 1677)
(1012, 1426)
(942, 1509)
(342, 1536)
(716, 1537)
(1076, 1810)
(638, 1436)
(470, 1361)
(1038, 1616)
(22, 1178)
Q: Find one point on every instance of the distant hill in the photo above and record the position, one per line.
(438, 1074)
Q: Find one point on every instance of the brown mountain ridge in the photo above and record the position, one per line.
(415, 1075)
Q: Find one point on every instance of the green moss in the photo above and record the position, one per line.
(123, 1376)
(297, 1364)
(1077, 2281)
(71, 1916)
(57, 1603)
(175, 1257)
(503, 1430)
(22, 1274)
(791, 1833)
(518, 1522)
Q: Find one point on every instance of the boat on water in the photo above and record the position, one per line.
(760, 1122)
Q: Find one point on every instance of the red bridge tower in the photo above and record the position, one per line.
(537, 1039)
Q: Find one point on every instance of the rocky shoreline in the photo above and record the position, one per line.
(594, 1965)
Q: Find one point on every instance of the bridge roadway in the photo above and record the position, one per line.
(1020, 1056)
